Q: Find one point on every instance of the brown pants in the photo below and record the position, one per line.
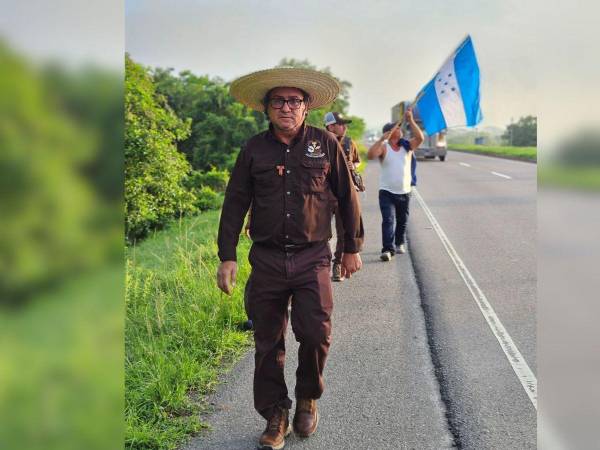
(276, 275)
(339, 231)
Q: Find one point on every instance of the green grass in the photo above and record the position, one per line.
(526, 153)
(579, 178)
(181, 331)
(61, 366)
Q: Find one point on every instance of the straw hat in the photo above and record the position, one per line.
(251, 89)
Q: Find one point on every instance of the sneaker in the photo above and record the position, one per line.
(386, 256)
(401, 248)
(337, 272)
(306, 417)
(278, 427)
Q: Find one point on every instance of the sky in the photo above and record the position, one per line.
(388, 50)
(536, 57)
(71, 32)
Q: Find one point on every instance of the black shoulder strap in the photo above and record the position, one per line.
(347, 145)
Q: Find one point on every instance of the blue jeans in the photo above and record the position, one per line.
(394, 214)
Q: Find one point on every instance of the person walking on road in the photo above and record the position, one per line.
(291, 174)
(395, 156)
(337, 124)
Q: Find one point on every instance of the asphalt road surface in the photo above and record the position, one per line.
(486, 210)
(414, 364)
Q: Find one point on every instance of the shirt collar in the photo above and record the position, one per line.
(300, 136)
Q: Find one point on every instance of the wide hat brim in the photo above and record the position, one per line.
(251, 89)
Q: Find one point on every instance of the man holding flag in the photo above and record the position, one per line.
(395, 155)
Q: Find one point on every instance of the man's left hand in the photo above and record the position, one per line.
(408, 115)
(351, 263)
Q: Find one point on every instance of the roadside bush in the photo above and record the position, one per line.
(47, 206)
(215, 179)
(206, 198)
(155, 171)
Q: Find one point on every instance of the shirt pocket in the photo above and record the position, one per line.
(266, 179)
(314, 175)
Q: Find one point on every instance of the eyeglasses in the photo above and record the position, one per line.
(278, 102)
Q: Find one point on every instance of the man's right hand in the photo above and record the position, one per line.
(226, 275)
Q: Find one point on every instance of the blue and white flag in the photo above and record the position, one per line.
(451, 98)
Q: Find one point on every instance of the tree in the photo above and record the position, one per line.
(92, 97)
(523, 133)
(155, 172)
(357, 128)
(47, 204)
(580, 149)
(219, 124)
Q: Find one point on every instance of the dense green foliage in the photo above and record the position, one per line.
(155, 171)
(214, 179)
(582, 149)
(220, 125)
(48, 204)
(61, 292)
(523, 133)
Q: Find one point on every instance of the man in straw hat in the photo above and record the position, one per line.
(292, 175)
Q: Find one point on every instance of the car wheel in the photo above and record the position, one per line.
(443, 158)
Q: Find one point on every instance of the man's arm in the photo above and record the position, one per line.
(378, 149)
(238, 196)
(416, 133)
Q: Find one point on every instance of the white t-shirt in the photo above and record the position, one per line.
(395, 174)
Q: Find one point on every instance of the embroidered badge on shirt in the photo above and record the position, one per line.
(314, 150)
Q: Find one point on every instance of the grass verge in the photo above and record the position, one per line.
(579, 178)
(181, 331)
(523, 153)
(61, 366)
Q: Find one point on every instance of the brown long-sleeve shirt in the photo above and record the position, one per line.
(292, 189)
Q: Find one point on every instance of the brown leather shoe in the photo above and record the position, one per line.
(306, 417)
(278, 427)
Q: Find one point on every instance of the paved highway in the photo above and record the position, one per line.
(472, 239)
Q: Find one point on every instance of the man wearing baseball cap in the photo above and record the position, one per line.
(291, 174)
(395, 182)
(335, 123)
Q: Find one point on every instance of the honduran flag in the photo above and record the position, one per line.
(451, 98)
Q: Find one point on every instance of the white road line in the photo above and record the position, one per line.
(465, 164)
(502, 175)
(517, 361)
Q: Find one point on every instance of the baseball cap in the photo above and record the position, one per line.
(335, 117)
(388, 126)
